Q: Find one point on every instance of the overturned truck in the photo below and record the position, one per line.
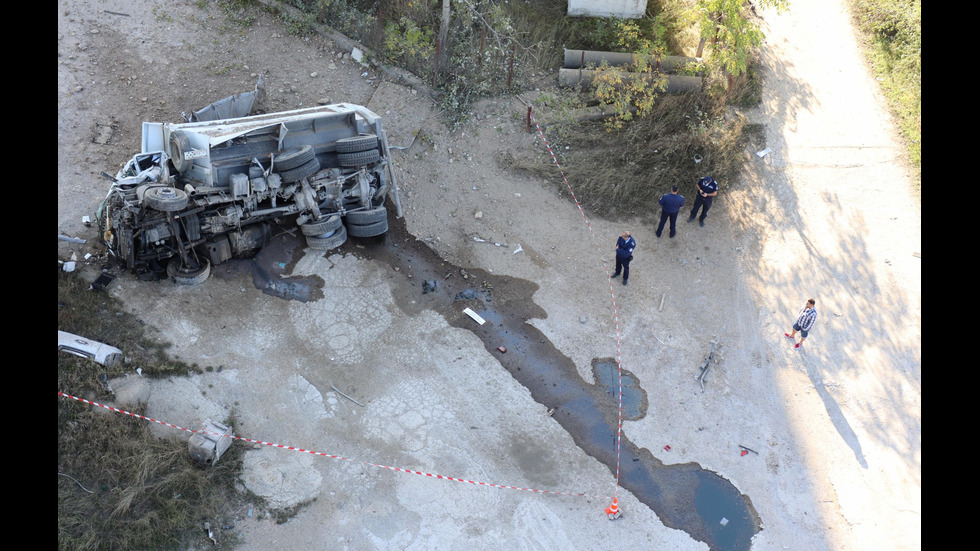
(200, 193)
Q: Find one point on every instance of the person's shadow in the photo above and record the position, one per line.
(834, 411)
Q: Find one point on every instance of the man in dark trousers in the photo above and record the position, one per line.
(624, 253)
(804, 322)
(670, 204)
(707, 189)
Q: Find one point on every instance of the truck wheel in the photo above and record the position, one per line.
(179, 144)
(354, 144)
(322, 226)
(166, 199)
(297, 174)
(294, 158)
(327, 241)
(359, 158)
(367, 230)
(188, 277)
(366, 217)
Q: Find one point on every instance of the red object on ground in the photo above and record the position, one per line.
(744, 452)
(667, 448)
(502, 349)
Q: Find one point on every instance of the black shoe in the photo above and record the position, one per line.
(624, 283)
(616, 274)
(702, 223)
(658, 234)
(672, 235)
(691, 219)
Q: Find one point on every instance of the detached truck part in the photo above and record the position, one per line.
(200, 193)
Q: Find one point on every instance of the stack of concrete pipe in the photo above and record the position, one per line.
(575, 71)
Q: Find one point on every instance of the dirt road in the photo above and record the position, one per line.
(825, 214)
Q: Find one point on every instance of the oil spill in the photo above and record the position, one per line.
(606, 373)
(268, 266)
(684, 496)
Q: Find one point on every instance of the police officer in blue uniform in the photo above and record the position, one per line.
(670, 204)
(624, 254)
(707, 189)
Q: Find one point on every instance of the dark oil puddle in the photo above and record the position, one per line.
(606, 373)
(270, 263)
(684, 496)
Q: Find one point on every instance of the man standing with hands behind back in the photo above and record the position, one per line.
(707, 189)
(670, 204)
(624, 254)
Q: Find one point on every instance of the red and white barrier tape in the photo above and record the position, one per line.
(605, 268)
(332, 456)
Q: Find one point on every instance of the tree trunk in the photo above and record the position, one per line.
(444, 30)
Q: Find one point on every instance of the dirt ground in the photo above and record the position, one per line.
(826, 213)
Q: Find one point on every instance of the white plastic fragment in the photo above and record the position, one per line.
(476, 317)
(357, 54)
(518, 249)
(724, 521)
(763, 153)
(68, 266)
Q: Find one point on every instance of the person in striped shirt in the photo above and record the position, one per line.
(804, 322)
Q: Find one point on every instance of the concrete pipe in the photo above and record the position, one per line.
(575, 59)
(584, 77)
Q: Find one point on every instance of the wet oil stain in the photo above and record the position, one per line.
(684, 496)
(268, 266)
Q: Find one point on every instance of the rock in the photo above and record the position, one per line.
(478, 214)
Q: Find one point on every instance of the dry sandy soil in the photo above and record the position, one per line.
(827, 213)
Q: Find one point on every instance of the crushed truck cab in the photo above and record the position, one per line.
(200, 193)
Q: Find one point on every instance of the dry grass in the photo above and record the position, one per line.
(624, 172)
(119, 487)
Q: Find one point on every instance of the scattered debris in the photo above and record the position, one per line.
(346, 396)
(68, 266)
(102, 282)
(724, 521)
(744, 449)
(207, 445)
(763, 153)
(87, 221)
(104, 379)
(207, 528)
(518, 249)
(706, 364)
(86, 348)
(667, 448)
(662, 297)
(476, 317)
(502, 349)
(552, 411)
(71, 239)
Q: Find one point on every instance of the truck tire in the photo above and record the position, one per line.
(327, 241)
(359, 158)
(322, 226)
(180, 144)
(188, 277)
(166, 199)
(297, 174)
(367, 230)
(294, 158)
(366, 217)
(362, 142)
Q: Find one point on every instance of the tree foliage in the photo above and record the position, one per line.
(730, 32)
